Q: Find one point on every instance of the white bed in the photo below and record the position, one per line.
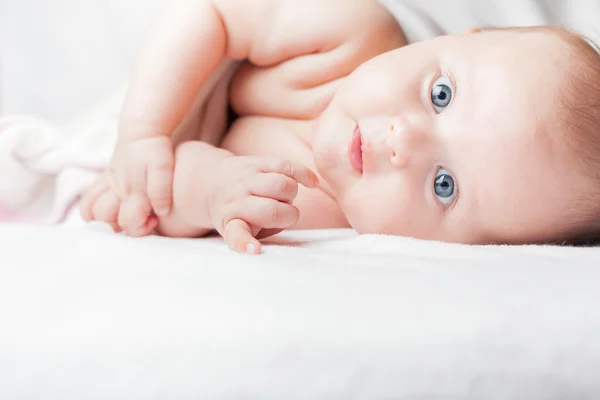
(87, 314)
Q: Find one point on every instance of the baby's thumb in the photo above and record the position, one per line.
(160, 189)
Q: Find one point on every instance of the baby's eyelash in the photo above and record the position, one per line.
(454, 86)
(448, 74)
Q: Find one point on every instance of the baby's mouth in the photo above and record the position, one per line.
(355, 151)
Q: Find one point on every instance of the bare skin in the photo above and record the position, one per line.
(453, 139)
(306, 47)
(504, 158)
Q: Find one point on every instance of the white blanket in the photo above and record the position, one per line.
(87, 314)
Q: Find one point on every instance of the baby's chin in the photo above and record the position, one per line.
(330, 173)
(365, 222)
(327, 152)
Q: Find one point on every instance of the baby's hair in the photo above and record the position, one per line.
(579, 112)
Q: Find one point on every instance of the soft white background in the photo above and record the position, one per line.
(59, 57)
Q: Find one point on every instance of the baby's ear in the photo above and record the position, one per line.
(472, 30)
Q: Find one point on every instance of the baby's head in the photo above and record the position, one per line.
(476, 138)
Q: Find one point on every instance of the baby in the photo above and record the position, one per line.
(489, 136)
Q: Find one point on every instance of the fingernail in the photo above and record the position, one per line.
(251, 248)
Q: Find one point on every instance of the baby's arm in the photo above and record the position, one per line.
(189, 217)
(188, 43)
(192, 38)
(186, 46)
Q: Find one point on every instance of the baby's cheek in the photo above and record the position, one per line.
(368, 209)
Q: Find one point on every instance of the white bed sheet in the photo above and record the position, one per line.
(87, 314)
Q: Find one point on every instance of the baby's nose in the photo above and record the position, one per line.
(408, 141)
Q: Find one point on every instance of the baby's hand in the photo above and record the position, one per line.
(252, 198)
(137, 186)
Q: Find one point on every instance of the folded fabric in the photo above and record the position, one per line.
(44, 167)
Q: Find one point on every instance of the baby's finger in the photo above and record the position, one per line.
(106, 207)
(274, 186)
(160, 186)
(262, 212)
(298, 172)
(237, 234)
(86, 205)
(134, 216)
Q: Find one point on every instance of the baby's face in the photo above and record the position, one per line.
(453, 139)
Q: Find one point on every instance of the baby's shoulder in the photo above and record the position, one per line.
(269, 32)
(294, 66)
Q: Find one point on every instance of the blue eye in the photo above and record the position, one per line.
(441, 93)
(444, 187)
